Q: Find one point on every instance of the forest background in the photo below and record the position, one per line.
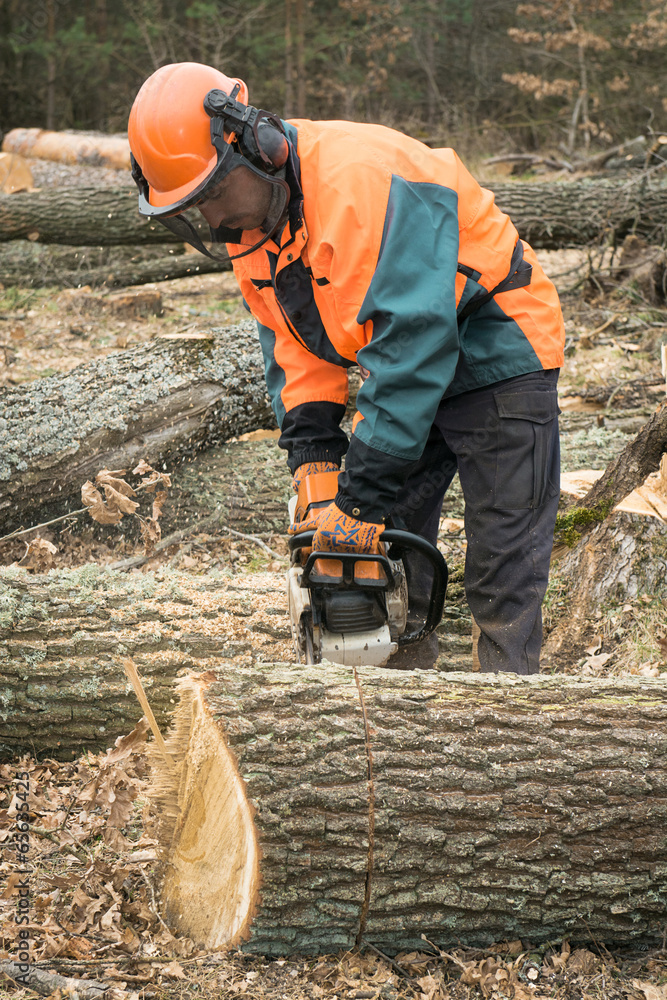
(481, 75)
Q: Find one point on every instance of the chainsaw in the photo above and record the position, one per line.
(349, 607)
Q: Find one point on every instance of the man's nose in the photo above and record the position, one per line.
(213, 212)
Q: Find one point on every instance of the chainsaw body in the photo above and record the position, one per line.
(348, 607)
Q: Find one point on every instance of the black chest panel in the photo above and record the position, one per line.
(293, 288)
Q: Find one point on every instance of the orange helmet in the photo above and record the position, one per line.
(170, 132)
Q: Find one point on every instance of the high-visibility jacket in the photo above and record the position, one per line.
(386, 242)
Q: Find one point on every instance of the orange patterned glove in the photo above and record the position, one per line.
(309, 469)
(336, 532)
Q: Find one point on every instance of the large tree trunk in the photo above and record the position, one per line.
(62, 637)
(548, 215)
(162, 401)
(307, 809)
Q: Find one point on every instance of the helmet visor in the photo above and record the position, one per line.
(227, 160)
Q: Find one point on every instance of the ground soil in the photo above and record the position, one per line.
(610, 383)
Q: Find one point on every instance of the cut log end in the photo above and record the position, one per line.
(205, 825)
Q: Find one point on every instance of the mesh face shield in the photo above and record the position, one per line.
(188, 225)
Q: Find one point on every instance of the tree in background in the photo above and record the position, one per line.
(583, 70)
(581, 66)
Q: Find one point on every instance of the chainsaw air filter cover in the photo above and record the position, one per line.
(353, 611)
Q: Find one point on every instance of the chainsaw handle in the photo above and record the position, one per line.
(406, 539)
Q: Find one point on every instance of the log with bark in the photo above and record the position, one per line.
(64, 634)
(605, 556)
(161, 401)
(548, 215)
(91, 148)
(627, 471)
(82, 216)
(307, 809)
(39, 265)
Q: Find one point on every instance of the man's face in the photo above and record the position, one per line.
(240, 201)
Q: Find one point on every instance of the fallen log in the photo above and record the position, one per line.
(63, 636)
(548, 215)
(36, 265)
(162, 401)
(79, 217)
(312, 808)
(70, 147)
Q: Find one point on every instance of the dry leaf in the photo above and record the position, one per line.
(92, 499)
(142, 468)
(108, 478)
(126, 745)
(150, 534)
(158, 503)
(648, 669)
(583, 961)
(173, 971)
(119, 501)
(650, 990)
(12, 881)
(38, 556)
(595, 662)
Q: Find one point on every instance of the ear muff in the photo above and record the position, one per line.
(258, 135)
(272, 143)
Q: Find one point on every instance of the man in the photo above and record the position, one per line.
(354, 244)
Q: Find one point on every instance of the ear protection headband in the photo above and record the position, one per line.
(258, 135)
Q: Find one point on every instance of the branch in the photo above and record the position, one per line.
(46, 983)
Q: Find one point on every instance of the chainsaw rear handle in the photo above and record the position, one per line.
(402, 540)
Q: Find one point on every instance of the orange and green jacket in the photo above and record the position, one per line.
(386, 242)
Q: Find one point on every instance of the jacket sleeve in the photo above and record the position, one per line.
(310, 429)
(308, 395)
(413, 347)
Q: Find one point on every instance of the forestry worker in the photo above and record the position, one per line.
(354, 244)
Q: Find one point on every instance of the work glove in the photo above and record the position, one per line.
(309, 469)
(336, 532)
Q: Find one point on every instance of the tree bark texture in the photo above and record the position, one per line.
(62, 637)
(548, 215)
(79, 217)
(311, 808)
(638, 460)
(622, 558)
(38, 265)
(162, 401)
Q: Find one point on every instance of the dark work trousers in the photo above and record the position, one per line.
(503, 440)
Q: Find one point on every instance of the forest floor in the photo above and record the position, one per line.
(93, 907)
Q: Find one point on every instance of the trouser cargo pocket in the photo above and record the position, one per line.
(527, 456)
